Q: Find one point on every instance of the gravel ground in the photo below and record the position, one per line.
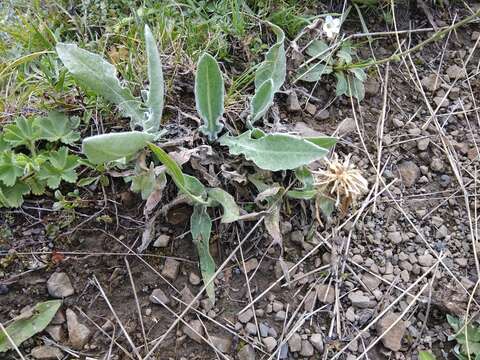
(377, 280)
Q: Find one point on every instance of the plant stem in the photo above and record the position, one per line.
(433, 38)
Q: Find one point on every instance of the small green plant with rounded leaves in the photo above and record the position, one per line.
(326, 60)
(467, 336)
(35, 156)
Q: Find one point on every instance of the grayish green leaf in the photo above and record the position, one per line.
(189, 185)
(274, 151)
(350, 85)
(315, 72)
(342, 84)
(345, 55)
(356, 88)
(27, 325)
(209, 94)
(58, 127)
(114, 146)
(317, 49)
(231, 211)
(259, 183)
(359, 73)
(201, 227)
(454, 322)
(144, 182)
(194, 187)
(261, 101)
(156, 91)
(325, 142)
(93, 71)
(272, 224)
(307, 190)
(274, 66)
(326, 205)
(304, 175)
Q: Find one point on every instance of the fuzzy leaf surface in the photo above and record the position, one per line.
(314, 73)
(113, 146)
(92, 71)
(189, 185)
(231, 211)
(209, 95)
(201, 227)
(274, 67)
(317, 49)
(144, 183)
(274, 151)
(24, 327)
(261, 101)
(156, 93)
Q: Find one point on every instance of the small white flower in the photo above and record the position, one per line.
(331, 26)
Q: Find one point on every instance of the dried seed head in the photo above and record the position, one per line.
(341, 180)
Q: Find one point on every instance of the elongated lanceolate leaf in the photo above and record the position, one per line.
(27, 325)
(209, 94)
(189, 185)
(274, 66)
(261, 101)
(323, 141)
(274, 151)
(156, 92)
(231, 211)
(315, 72)
(92, 71)
(201, 226)
(114, 146)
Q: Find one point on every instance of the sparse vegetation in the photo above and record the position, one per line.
(235, 149)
